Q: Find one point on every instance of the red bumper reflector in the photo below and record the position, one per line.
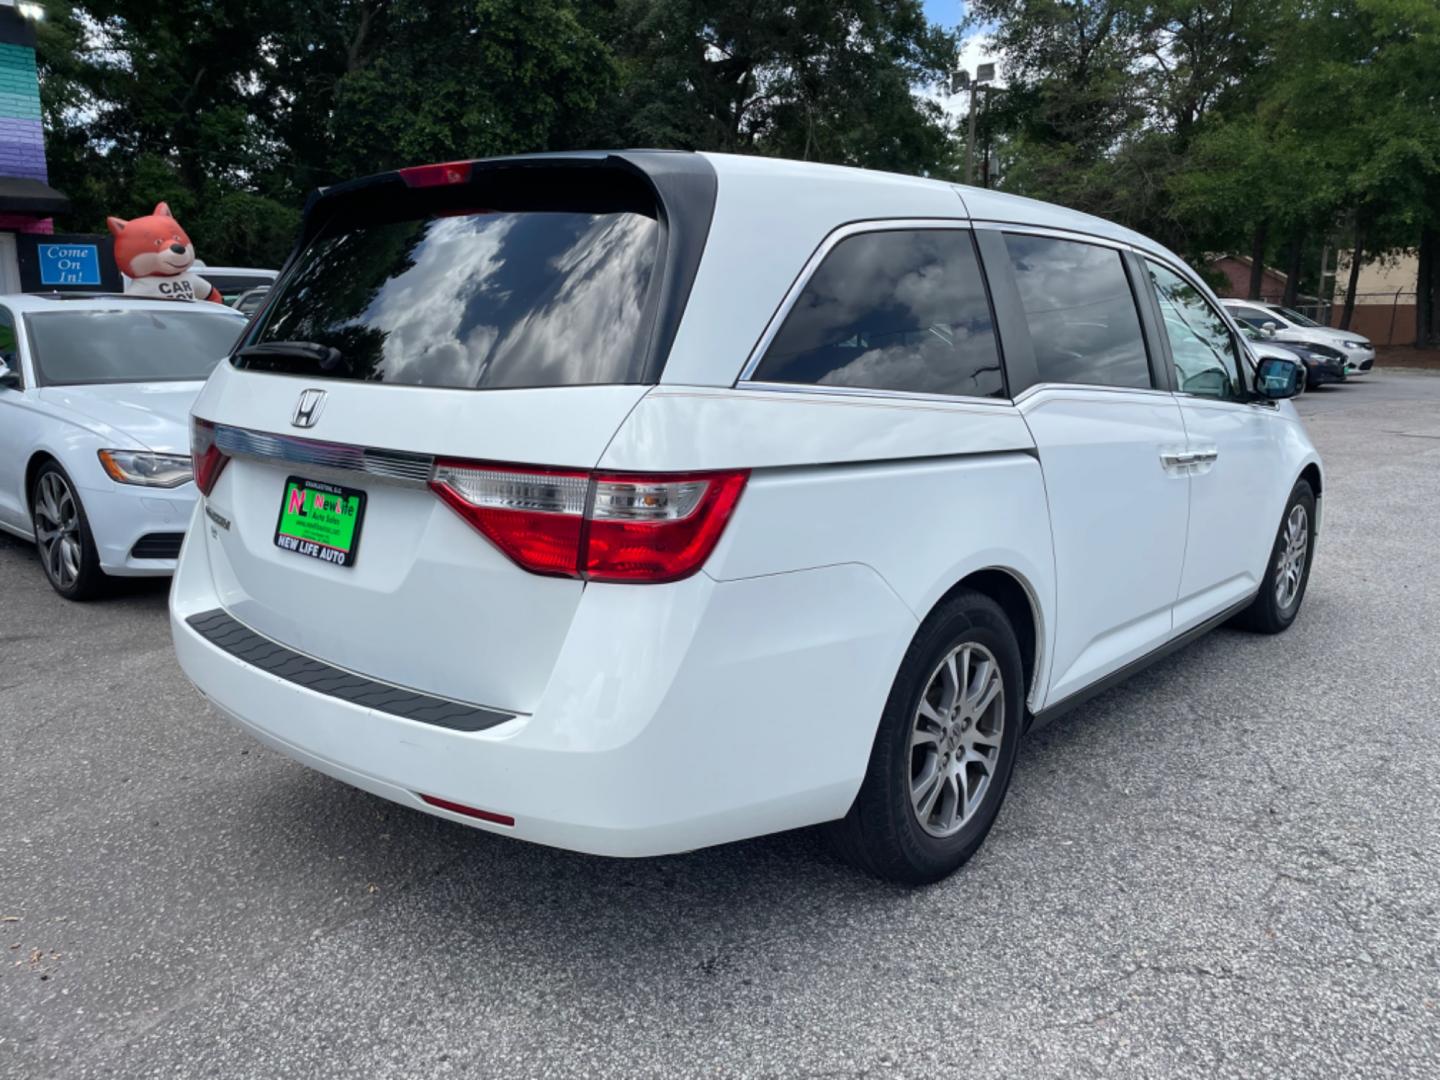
(468, 811)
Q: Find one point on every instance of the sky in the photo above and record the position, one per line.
(944, 12)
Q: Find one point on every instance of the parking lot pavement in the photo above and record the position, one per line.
(1229, 866)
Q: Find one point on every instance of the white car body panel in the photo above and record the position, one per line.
(1083, 434)
(155, 416)
(743, 699)
(1224, 554)
(73, 423)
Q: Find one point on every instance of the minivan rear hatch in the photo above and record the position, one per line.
(490, 314)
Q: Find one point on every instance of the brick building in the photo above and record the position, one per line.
(27, 200)
(1236, 271)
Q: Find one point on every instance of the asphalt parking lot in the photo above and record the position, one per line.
(1229, 866)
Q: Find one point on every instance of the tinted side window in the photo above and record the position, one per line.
(902, 310)
(1200, 341)
(1080, 310)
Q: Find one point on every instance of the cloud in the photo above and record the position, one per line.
(975, 50)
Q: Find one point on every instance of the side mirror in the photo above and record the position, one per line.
(1269, 329)
(9, 377)
(1276, 379)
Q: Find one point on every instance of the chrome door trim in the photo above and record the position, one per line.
(1056, 233)
(390, 466)
(854, 228)
(1035, 389)
(916, 396)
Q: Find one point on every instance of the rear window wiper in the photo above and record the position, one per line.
(325, 357)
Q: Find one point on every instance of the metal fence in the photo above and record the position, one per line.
(1386, 318)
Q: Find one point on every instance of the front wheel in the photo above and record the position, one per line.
(62, 536)
(1283, 587)
(944, 749)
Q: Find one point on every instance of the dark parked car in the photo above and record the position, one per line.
(1322, 363)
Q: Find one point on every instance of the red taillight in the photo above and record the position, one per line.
(206, 459)
(659, 528)
(447, 172)
(602, 527)
(468, 811)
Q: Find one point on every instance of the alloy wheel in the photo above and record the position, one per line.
(955, 739)
(1290, 565)
(57, 529)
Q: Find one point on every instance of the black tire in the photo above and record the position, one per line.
(1267, 613)
(882, 834)
(87, 580)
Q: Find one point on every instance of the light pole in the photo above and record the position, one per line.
(960, 80)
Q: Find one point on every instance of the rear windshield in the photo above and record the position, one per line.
(474, 299)
(77, 347)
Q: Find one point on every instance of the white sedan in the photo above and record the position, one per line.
(95, 396)
(1287, 325)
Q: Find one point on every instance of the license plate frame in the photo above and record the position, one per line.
(327, 525)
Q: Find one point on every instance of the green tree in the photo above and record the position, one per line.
(818, 80)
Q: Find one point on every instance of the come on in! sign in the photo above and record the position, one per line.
(69, 264)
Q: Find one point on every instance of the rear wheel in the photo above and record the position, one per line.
(944, 750)
(1283, 588)
(62, 536)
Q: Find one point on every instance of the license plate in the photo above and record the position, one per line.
(321, 521)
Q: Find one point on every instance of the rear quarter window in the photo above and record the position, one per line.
(902, 310)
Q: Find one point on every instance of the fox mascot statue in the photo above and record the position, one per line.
(155, 255)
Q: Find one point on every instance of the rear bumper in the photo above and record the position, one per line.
(677, 716)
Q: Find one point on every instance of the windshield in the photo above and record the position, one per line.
(1294, 316)
(74, 347)
(472, 300)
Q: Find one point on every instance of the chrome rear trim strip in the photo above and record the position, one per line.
(392, 466)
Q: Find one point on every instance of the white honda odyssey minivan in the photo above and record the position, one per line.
(635, 502)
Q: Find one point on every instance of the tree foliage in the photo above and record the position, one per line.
(233, 113)
(1265, 126)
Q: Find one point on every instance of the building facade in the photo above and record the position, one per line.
(27, 201)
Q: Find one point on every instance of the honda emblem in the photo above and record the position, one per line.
(307, 409)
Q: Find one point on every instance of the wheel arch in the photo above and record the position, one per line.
(1017, 598)
(1312, 475)
(32, 472)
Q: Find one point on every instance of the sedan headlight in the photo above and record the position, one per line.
(146, 469)
(1354, 344)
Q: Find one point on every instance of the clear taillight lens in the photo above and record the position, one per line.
(603, 527)
(206, 458)
(533, 516)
